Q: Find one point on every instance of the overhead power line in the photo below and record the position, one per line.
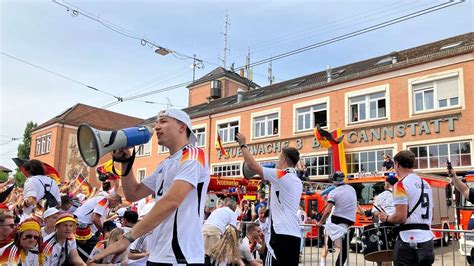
(356, 33)
(60, 75)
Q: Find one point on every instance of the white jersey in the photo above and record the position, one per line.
(407, 192)
(285, 194)
(10, 255)
(384, 201)
(34, 187)
(221, 218)
(344, 198)
(98, 204)
(55, 253)
(140, 245)
(249, 252)
(180, 234)
(302, 217)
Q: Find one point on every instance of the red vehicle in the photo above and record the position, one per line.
(313, 204)
(239, 188)
(465, 211)
(443, 214)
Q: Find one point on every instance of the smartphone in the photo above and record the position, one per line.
(449, 166)
(236, 130)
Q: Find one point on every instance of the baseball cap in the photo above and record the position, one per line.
(120, 212)
(392, 180)
(49, 212)
(182, 116)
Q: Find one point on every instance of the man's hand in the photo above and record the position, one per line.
(117, 248)
(382, 216)
(122, 154)
(240, 138)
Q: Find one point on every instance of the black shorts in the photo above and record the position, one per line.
(423, 255)
(286, 249)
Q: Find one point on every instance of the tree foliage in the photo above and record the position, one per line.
(20, 178)
(25, 147)
(3, 177)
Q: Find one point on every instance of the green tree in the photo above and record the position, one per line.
(20, 178)
(3, 177)
(25, 147)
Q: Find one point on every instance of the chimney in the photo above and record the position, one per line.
(240, 95)
(328, 73)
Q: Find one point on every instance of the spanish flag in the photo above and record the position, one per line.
(85, 185)
(219, 144)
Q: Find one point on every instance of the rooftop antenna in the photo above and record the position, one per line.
(225, 33)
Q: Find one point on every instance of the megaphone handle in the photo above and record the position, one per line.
(130, 161)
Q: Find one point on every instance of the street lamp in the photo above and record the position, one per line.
(162, 51)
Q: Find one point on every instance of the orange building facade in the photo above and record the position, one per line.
(419, 99)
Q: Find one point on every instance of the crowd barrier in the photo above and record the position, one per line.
(456, 252)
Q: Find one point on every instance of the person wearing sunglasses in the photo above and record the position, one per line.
(26, 248)
(7, 227)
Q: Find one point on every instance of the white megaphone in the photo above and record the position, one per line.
(94, 143)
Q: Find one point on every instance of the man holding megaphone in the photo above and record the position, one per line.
(285, 192)
(180, 184)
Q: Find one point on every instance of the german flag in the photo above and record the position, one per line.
(48, 169)
(221, 148)
(85, 185)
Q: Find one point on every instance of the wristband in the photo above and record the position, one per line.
(386, 218)
(243, 146)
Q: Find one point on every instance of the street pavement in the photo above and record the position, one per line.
(444, 256)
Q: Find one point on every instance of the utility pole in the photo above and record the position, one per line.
(271, 78)
(225, 33)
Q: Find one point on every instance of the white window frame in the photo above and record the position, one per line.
(226, 121)
(376, 159)
(255, 115)
(459, 72)
(48, 143)
(229, 164)
(367, 92)
(141, 149)
(38, 146)
(297, 106)
(198, 127)
(317, 164)
(465, 138)
(139, 178)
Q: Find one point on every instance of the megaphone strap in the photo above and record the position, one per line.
(111, 138)
(130, 161)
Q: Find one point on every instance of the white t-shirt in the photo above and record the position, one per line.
(140, 245)
(221, 218)
(344, 198)
(34, 188)
(384, 201)
(302, 216)
(246, 253)
(98, 204)
(285, 194)
(180, 234)
(10, 256)
(407, 191)
(53, 251)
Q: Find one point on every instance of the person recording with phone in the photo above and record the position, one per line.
(460, 186)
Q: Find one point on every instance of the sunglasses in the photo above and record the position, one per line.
(10, 225)
(30, 237)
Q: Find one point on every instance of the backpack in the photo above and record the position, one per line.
(48, 196)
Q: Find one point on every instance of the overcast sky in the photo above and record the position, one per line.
(45, 34)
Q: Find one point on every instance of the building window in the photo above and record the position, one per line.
(436, 155)
(436, 94)
(201, 136)
(317, 165)
(368, 107)
(141, 174)
(227, 131)
(308, 117)
(144, 149)
(43, 144)
(227, 170)
(38, 146)
(366, 161)
(265, 126)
